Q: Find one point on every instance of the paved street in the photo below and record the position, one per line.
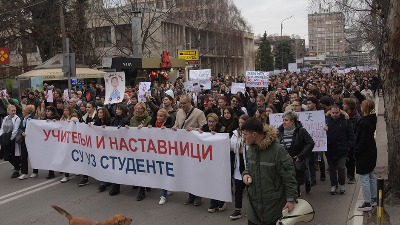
(28, 202)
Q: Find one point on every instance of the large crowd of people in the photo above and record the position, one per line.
(347, 100)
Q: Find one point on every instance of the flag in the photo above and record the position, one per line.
(4, 56)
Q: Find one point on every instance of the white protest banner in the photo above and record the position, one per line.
(144, 89)
(313, 122)
(341, 71)
(49, 96)
(292, 67)
(238, 87)
(257, 79)
(115, 87)
(277, 72)
(347, 70)
(200, 74)
(326, 70)
(198, 163)
(353, 68)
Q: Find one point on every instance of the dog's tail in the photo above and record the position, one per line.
(62, 212)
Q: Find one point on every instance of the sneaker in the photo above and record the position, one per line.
(365, 207)
(197, 201)
(162, 200)
(222, 208)
(352, 180)
(189, 201)
(169, 193)
(33, 175)
(115, 190)
(64, 179)
(342, 190)
(83, 182)
(212, 209)
(101, 188)
(236, 215)
(50, 176)
(15, 174)
(140, 196)
(333, 190)
(23, 177)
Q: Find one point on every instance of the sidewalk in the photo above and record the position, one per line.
(359, 218)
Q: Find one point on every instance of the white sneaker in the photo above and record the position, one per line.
(169, 193)
(64, 179)
(162, 200)
(33, 175)
(23, 177)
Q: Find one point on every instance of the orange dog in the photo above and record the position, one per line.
(118, 219)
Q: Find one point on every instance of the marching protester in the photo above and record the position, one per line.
(51, 115)
(365, 153)
(28, 112)
(238, 163)
(273, 187)
(10, 151)
(299, 144)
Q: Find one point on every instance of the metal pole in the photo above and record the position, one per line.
(282, 41)
(136, 31)
(380, 212)
(65, 44)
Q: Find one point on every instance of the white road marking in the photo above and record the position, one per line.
(28, 193)
(31, 187)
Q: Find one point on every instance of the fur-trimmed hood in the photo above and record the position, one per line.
(270, 136)
(342, 113)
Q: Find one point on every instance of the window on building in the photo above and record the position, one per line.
(123, 35)
(168, 3)
(160, 4)
(103, 37)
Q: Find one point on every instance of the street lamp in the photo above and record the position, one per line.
(282, 40)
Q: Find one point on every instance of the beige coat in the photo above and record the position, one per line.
(196, 119)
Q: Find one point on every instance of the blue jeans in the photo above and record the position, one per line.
(164, 193)
(369, 186)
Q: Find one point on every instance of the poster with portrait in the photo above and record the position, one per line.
(144, 89)
(37, 83)
(115, 87)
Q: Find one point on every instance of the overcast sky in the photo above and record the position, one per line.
(266, 15)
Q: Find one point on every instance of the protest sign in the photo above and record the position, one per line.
(37, 83)
(115, 87)
(326, 70)
(200, 74)
(188, 85)
(66, 95)
(276, 72)
(347, 70)
(292, 67)
(205, 83)
(198, 163)
(144, 90)
(257, 79)
(312, 121)
(238, 87)
(49, 96)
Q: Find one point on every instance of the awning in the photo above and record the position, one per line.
(57, 74)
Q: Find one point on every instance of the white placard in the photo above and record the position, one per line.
(326, 70)
(205, 83)
(238, 87)
(198, 163)
(257, 79)
(200, 74)
(347, 70)
(313, 122)
(50, 96)
(188, 85)
(277, 72)
(115, 87)
(144, 89)
(66, 95)
(292, 67)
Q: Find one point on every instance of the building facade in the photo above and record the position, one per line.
(326, 32)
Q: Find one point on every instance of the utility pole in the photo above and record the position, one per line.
(282, 41)
(67, 69)
(136, 31)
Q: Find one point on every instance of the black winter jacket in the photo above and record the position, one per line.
(340, 137)
(365, 150)
(302, 142)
